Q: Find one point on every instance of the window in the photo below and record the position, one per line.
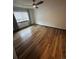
(21, 16)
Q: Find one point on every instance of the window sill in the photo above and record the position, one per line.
(23, 21)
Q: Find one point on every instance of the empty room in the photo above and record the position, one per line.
(39, 29)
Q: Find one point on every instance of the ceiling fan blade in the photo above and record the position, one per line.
(39, 2)
(33, 0)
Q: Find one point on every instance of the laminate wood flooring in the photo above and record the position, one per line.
(40, 42)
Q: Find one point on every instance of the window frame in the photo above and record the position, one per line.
(22, 20)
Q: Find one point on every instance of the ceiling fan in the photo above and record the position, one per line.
(35, 4)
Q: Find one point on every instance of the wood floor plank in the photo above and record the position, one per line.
(40, 42)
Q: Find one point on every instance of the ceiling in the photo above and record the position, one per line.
(23, 3)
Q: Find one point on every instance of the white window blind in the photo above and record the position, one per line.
(21, 16)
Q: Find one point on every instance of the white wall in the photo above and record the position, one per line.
(52, 13)
(32, 16)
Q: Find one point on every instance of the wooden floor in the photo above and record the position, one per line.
(39, 42)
